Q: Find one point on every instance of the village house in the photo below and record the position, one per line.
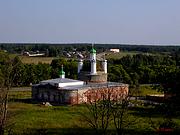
(114, 50)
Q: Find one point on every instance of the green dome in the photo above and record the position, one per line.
(61, 72)
(93, 50)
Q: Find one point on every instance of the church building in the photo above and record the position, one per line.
(91, 85)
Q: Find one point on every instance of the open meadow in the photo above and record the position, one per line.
(119, 55)
(36, 60)
(29, 117)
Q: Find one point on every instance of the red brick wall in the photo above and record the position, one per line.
(95, 94)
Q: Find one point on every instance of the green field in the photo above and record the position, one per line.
(119, 55)
(48, 60)
(36, 60)
(28, 117)
(145, 90)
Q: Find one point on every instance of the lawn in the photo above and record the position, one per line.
(28, 117)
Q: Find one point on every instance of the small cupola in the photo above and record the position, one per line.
(62, 73)
(93, 61)
(93, 50)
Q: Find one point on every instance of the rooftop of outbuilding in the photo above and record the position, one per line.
(60, 80)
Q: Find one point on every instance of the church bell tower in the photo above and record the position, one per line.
(93, 61)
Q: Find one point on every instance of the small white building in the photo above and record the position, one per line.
(114, 50)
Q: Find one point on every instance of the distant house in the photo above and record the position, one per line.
(68, 55)
(114, 50)
(37, 54)
(80, 55)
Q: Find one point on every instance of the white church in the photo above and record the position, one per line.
(91, 85)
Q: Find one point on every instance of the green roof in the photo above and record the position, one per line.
(61, 72)
(92, 50)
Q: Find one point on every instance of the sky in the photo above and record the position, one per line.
(90, 21)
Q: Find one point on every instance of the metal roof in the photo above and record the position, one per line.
(77, 87)
(92, 85)
(60, 80)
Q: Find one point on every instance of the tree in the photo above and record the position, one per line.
(70, 68)
(147, 75)
(29, 74)
(117, 73)
(3, 107)
(56, 65)
(17, 71)
(121, 116)
(99, 112)
(6, 79)
(42, 72)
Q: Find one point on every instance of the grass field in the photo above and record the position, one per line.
(36, 60)
(28, 117)
(48, 60)
(145, 90)
(119, 55)
(122, 54)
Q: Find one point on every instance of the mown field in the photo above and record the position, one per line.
(119, 55)
(36, 60)
(29, 117)
(111, 55)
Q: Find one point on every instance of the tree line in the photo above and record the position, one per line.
(140, 68)
(134, 70)
(54, 50)
(51, 50)
(27, 74)
(163, 71)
